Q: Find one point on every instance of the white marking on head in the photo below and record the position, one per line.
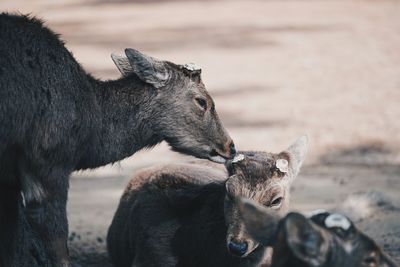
(237, 158)
(337, 220)
(191, 67)
(282, 165)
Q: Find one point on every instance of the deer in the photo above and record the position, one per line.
(186, 214)
(56, 118)
(326, 239)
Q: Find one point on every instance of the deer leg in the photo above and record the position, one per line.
(8, 225)
(45, 206)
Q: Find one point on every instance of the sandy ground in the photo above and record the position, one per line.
(276, 69)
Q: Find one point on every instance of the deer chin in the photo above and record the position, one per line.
(217, 159)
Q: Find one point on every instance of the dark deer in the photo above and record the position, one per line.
(186, 215)
(56, 118)
(323, 240)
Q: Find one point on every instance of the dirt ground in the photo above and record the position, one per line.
(277, 70)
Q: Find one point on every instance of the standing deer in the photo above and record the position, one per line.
(324, 240)
(187, 215)
(56, 118)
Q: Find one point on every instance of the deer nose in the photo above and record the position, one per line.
(237, 248)
(232, 149)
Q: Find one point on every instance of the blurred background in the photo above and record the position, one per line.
(276, 70)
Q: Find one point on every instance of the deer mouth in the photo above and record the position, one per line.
(217, 157)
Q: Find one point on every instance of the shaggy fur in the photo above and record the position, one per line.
(171, 221)
(55, 118)
(168, 217)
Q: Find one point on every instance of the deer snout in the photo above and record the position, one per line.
(229, 150)
(237, 248)
(225, 152)
(232, 149)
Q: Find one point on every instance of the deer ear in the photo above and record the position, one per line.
(305, 240)
(122, 63)
(260, 222)
(297, 152)
(148, 69)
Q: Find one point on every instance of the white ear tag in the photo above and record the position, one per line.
(337, 220)
(282, 165)
(237, 158)
(191, 67)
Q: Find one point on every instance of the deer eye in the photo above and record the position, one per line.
(276, 203)
(202, 103)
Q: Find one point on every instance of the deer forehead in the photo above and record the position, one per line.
(261, 191)
(261, 170)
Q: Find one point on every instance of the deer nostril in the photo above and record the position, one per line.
(238, 249)
(232, 149)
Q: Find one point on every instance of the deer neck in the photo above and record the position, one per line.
(123, 123)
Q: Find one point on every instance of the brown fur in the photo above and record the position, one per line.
(163, 212)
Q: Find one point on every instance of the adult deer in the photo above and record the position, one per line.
(56, 118)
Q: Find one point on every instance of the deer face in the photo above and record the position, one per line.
(194, 127)
(324, 240)
(350, 245)
(265, 178)
(184, 112)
